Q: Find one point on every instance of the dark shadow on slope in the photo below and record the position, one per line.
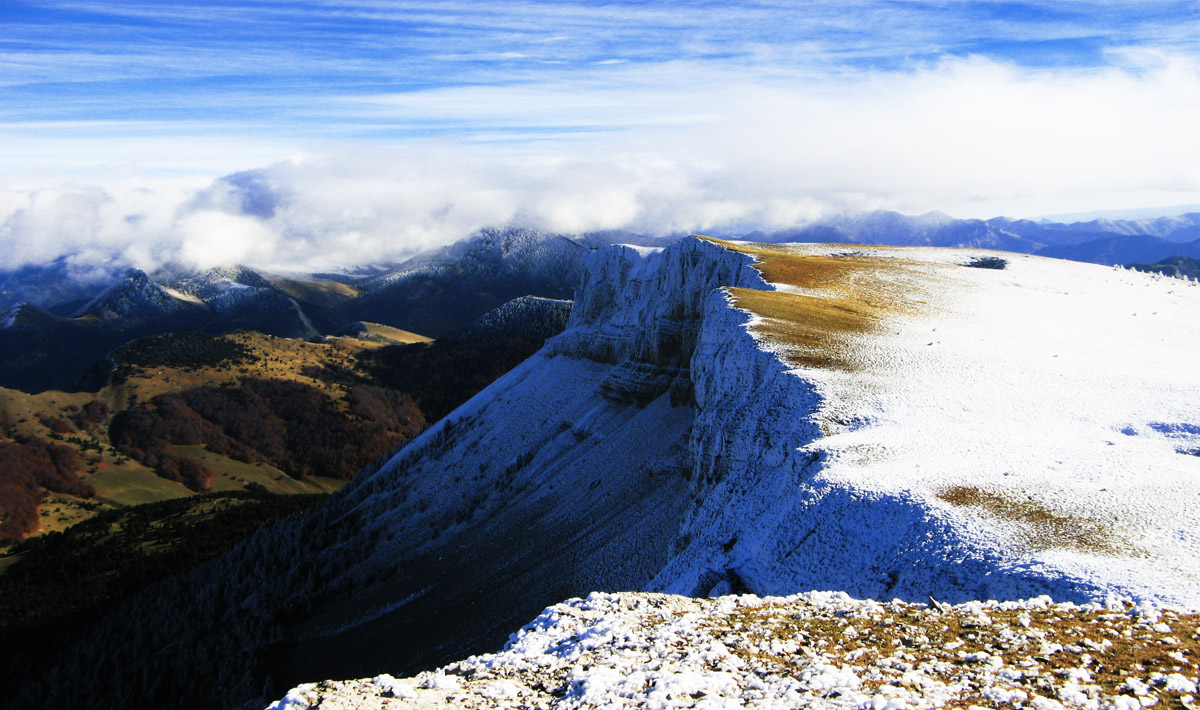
(472, 589)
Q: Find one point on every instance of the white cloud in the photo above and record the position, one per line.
(683, 146)
(215, 239)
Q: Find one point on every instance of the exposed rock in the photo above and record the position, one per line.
(816, 650)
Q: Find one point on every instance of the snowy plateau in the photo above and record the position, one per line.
(724, 418)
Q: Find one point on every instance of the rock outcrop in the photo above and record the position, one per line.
(818, 650)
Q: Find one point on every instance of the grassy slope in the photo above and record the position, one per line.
(121, 481)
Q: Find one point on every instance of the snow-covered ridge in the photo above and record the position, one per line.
(667, 442)
(642, 309)
(818, 650)
(510, 251)
(136, 297)
(1001, 430)
(784, 488)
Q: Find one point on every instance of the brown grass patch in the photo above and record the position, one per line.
(1043, 528)
(812, 330)
(847, 295)
(322, 292)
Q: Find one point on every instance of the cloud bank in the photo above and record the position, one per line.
(662, 148)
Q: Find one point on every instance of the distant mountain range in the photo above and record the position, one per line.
(47, 343)
(1099, 241)
(55, 321)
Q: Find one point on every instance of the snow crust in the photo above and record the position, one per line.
(816, 650)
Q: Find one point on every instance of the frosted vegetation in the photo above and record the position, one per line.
(818, 650)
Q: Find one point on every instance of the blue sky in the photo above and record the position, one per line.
(295, 68)
(907, 105)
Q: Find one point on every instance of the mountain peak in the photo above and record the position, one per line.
(136, 298)
(530, 317)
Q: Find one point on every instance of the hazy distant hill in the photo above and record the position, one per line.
(432, 294)
(1097, 241)
(56, 286)
(1124, 249)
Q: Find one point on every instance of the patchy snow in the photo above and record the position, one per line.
(135, 297)
(658, 652)
(1007, 434)
(9, 318)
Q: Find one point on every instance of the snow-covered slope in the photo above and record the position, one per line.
(722, 417)
(988, 433)
(136, 298)
(958, 432)
(526, 316)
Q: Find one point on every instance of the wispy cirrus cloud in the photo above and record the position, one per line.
(386, 127)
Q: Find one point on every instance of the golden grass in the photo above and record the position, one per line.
(811, 329)
(389, 335)
(397, 335)
(120, 481)
(59, 512)
(131, 483)
(230, 475)
(1043, 528)
(313, 290)
(840, 297)
(1117, 644)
